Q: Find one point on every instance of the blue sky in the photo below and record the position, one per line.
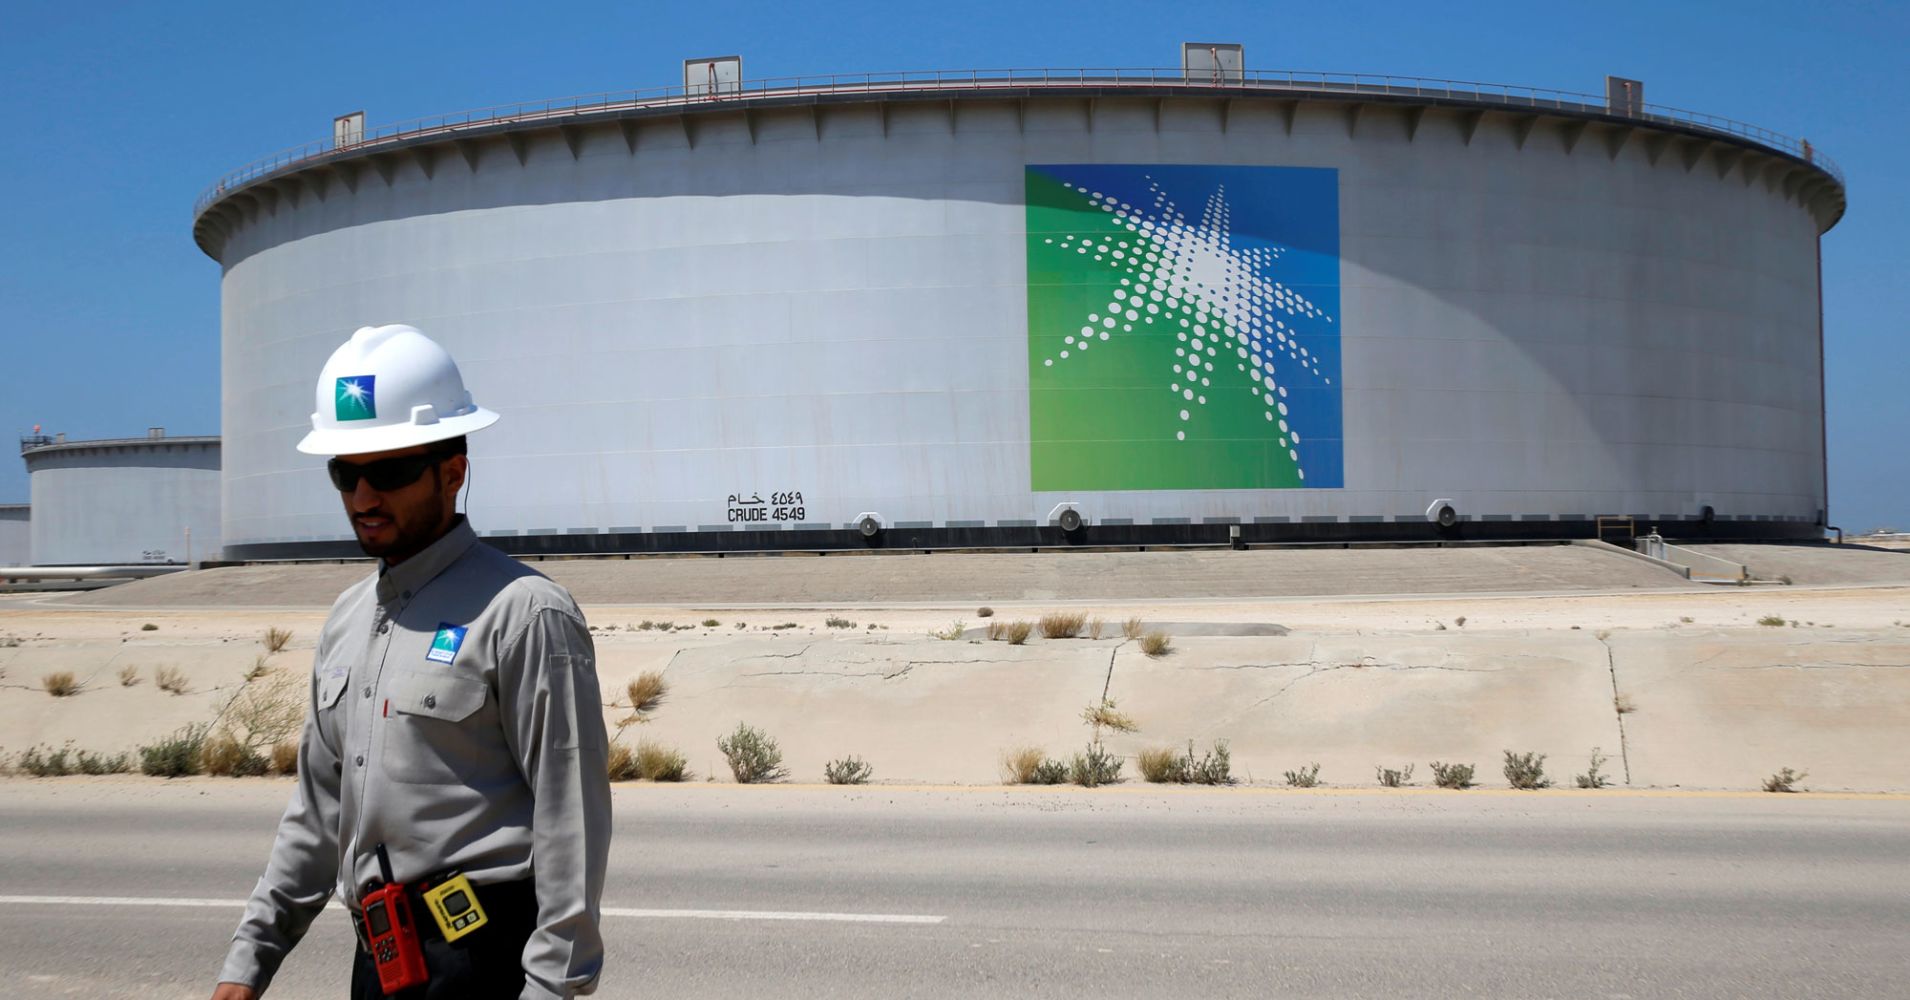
(121, 113)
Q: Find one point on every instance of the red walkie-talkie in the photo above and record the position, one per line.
(391, 934)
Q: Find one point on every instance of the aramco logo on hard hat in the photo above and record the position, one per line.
(355, 397)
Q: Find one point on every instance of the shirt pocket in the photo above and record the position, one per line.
(432, 737)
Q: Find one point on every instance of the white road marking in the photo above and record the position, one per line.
(608, 911)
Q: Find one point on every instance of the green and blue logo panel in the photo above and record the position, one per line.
(1183, 327)
(445, 645)
(357, 397)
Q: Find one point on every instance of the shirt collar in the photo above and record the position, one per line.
(406, 578)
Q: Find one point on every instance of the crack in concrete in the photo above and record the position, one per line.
(1364, 665)
(1624, 748)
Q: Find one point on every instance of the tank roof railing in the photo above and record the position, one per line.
(1494, 95)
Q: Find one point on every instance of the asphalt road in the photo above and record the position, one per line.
(1123, 892)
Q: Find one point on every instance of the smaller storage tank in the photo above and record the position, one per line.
(153, 499)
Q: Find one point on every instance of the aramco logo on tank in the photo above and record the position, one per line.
(1171, 353)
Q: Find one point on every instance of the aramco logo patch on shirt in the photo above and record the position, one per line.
(444, 645)
(357, 399)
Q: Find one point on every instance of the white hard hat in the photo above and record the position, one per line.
(390, 387)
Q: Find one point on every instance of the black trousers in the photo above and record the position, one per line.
(486, 964)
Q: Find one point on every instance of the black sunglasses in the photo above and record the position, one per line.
(384, 475)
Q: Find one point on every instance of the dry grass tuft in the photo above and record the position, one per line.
(128, 676)
(60, 684)
(259, 668)
(646, 692)
(1131, 629)
(1784, 780)
(1062, 624)
(657, 762)
(1096, 626)
(1018, 765)
(225, 756)
(285, 757)
(1018, 632)
(951, 633)
(170, 679)
(276, 638)
(1624, 705)
(1104, 715)
(1157, 764)
(1156, 643)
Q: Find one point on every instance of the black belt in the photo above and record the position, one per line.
(505, 902)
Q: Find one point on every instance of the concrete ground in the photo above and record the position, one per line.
(719, 891)
(1678, 687)
(968, 577)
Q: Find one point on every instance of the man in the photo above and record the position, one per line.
(455, 725)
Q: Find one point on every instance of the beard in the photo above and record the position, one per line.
(407, 529)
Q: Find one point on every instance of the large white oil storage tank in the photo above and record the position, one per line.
(121, 501)
(1010, 308)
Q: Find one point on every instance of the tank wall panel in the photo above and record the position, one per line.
(1525, 329)
(16, 536)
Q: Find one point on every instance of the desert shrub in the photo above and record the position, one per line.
(128, 676)
(657, 762)
(711, 623)
(1131, 628)
(1018, 633)
(1593, 778)
(1392, 778)
(849, 770)
(285, 757)
(149, 627)
(951, 633)
(1155, 643)
(984, 612)
(784, 627)
(1214, 767)
(1460, 621)
(276, 638)
(1018, 765)
(1159, 764)
(1050, 772)
(646, 625)
(996, 630)
(753, 755)
(60, 684)
(91, 763)
(1062, 624)
(1306, 777)
(1094, 767)
(258, 718)
(1452, 775)
(46, 762)
(176, 755)
(258, 669)
(1526, 770)
(665, 626)
(836, 621)
(1772, 621)
(1784, 780)
(620, 764)
(225, 756)
(170, 679)
(1623, 704)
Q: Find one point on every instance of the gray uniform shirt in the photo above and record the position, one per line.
(455, 719)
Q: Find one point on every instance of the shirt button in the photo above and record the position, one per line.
(360, 760)
(384, 627)
(431, 701)
(407, 595)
